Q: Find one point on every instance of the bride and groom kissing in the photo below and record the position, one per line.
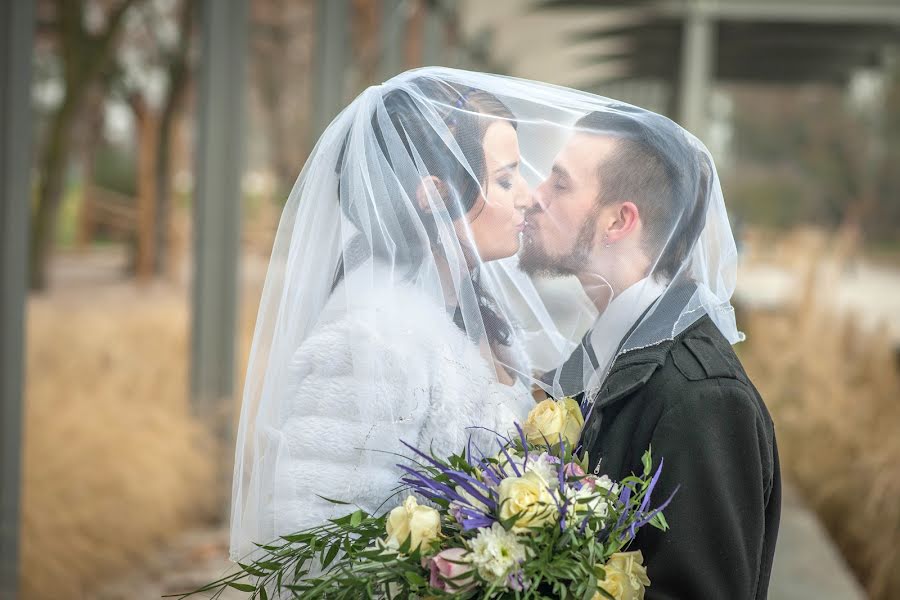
(421, 291)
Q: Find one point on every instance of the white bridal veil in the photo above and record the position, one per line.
(436, 184)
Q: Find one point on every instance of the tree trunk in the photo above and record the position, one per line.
(93, 125)
(179, 72)
(414, 35)
(85, 58)
(51, 166)
(145, 229)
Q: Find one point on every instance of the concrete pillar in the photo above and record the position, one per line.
(16, 44)
(392, 37)
(435, 35)
(331, 52)
(220, 117)
(698, 49)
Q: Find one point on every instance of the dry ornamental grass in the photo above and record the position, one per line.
(834, 392)
(114, 464)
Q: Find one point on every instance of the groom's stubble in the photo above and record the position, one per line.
(534, 259)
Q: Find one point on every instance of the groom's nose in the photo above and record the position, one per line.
(539, 197)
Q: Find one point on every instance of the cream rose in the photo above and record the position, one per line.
(626, 577)
(420, 524)
(527, 498)
(551, 419)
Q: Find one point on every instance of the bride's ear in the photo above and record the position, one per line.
(430, 194)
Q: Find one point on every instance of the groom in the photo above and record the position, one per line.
(622, 210)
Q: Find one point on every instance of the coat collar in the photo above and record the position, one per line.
(631, 371)
(633, 368)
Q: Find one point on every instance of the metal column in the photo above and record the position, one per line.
(435, 35)
(332, 47)
(219, 165)
(16, 42)
(393, 34)
(697, 52)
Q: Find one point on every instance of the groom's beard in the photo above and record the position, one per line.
(535, 260)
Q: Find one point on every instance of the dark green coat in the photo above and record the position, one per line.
(691, 400)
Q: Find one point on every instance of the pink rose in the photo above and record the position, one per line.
(573, 470)
(451, 564)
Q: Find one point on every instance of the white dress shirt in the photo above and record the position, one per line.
(619, 317)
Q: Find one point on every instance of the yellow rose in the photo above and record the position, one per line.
(626, 577)
(553, 418)
(421, 524)
(529, 498)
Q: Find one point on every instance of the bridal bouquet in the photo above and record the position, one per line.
(526, 522)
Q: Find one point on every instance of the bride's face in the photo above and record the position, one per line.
(496, 220)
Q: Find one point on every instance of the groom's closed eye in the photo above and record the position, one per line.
(560, 178)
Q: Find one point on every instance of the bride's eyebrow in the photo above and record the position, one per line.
(510, 167)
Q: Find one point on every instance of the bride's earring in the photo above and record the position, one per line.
(606, 243)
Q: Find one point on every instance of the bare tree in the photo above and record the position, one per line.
(86, 43)
(179, 75)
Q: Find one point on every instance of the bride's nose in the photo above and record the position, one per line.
(524, 197)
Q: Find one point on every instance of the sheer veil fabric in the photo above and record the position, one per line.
(427, 253)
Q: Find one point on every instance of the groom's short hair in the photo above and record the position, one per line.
(654, 166)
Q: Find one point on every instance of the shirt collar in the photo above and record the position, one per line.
(618, 318)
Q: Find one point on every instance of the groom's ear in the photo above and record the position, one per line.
(430, 194)
(625, 219)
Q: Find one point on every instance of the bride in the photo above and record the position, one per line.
(379, 321)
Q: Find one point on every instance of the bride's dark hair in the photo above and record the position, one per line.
(467, 113)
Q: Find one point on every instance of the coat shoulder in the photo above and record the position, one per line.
(702, 368)
(702, 352)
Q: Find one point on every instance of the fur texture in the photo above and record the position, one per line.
(393, 367)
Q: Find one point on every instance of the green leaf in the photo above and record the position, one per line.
(263, 593)
(252, 570)
(647, 460)
(414, 578)
(333, 501)
(659, 521)
(356, 518)
(332, 553)
(242, 587)
(605, 594)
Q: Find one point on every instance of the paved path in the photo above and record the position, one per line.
(869, 292)
(807, 564)
(190, 562)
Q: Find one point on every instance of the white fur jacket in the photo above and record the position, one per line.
(392, 366)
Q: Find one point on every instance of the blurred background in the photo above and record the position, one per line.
(158, 140)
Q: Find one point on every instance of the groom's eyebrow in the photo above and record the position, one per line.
(560, 171)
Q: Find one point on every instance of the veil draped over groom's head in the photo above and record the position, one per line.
(616, 237)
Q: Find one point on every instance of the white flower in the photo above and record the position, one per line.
(587, 501)
(544, 468)
(510, 465)
(496, 553)
(607, 484)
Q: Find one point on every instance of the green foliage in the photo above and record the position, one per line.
(115, 169)
(347, 558)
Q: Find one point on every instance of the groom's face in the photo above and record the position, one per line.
(562, 223)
